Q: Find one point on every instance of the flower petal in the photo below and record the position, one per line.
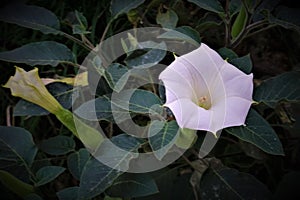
(236, 111)
(189, 115)
(30, 87)
(203, 74)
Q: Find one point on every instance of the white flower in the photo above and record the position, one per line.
(205, 92)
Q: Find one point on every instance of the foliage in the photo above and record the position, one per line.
(41, 159)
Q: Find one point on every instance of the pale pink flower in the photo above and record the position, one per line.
(205, 92)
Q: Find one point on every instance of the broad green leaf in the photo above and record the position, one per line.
(228, 183)
(70, 193)
(171, 185)
(96, 177)
(15, 185)
(39, 53)
(102, 109)
(58, 145)
(33, 17)
(136, 101)
(118, 151)
(243, 63)
(211, 5)
(16, 147)
(168, 19)
(182, 33)
(62, 92)
(227, 53)
(77, 161)
(116, 76)
(258, 132)
(132, 185)
(140, 101)
(151, 54)
(285, 87)
(162, 136)
(47, 174)
(239, 23)
(120, 7)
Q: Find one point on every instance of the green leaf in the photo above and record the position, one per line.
(171, 184)
(58, 145)
(77, 161)
(120, 7)
(227, 53)
(47, 174)
(258, 132)
(285, 87)
(15, 185)
(16, 147)
(162, 136)
(150, 54)
(39, 53)
(182, 33)
(239, 23)
(136, 101)
(102, 109)
(140, 101)
(211, 5)
(243, 63)
(96, 177)
(116, 76)
(133, 185)
(231, 184)
(70, 193)
(168, 19)
(33, 17)
(62, 92)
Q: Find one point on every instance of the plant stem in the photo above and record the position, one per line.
(226, 20)
(74, 39)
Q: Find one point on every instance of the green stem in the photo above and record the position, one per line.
(89, 136)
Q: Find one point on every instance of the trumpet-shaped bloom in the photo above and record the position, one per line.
(29, 86)
(205, 92)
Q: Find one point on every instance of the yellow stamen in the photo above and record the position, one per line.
(204, 102)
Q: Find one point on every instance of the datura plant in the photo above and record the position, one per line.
(95, 106)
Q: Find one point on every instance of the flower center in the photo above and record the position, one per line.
(204, 102)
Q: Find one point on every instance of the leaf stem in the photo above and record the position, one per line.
(226, 20)
(74, 39)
